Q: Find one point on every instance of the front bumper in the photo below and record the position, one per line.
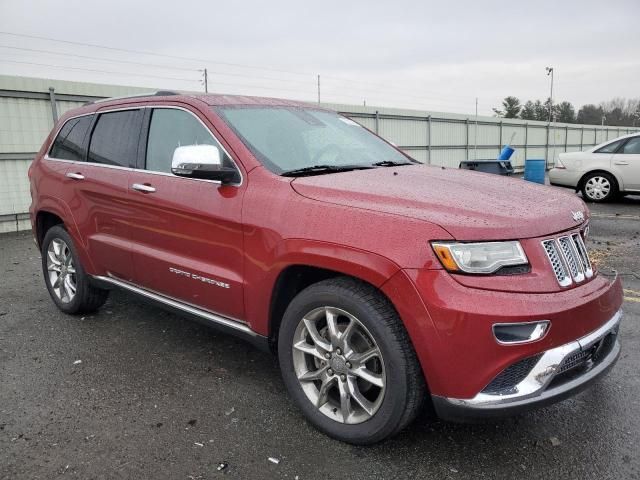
(548, 381)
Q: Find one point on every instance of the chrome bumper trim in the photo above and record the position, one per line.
(535, 383)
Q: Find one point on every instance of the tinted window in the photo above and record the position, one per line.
(632, 146)
(115, 138)
(69, 142)
(170, 129)
(611, 148)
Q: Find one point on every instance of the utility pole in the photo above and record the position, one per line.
(551, 118)
(206, 81)
(318, 88)
(475, 135)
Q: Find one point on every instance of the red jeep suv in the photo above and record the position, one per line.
(381, 283)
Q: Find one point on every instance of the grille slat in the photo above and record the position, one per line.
(569, 259)
(559, 269)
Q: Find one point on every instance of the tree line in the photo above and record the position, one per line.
(616, 112)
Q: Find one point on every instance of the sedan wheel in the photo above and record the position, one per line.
(597, 188)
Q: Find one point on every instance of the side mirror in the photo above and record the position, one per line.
(202, 161)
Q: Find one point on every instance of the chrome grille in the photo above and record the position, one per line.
(582, 253)
(569, 259)
(570, 255)
(558, 267)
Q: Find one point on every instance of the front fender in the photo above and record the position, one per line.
(261, 277)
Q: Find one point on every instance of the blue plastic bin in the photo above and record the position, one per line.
(534, 170)
(506, 153)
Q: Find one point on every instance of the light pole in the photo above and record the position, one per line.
(553, 151)
(550, 72)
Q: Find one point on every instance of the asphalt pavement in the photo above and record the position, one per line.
(134, 392)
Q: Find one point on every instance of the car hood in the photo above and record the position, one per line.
(469, 205)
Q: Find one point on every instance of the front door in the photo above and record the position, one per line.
(626, 163)
(186, 233)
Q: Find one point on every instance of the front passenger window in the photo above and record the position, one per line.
(172, 128)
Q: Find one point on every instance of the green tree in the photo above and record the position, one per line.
(510, 108)
(565, 113)
(528, 111)
(590, 115)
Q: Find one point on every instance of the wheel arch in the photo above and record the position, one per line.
(619, 184)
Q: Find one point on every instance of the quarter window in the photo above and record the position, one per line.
(611, 148)
(70, 140)
(632, 146)
(115, 138)
(172, 128)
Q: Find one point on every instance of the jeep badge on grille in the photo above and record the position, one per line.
(578, 216)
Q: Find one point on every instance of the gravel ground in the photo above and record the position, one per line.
(135, 392)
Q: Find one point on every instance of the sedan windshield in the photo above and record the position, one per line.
(307, 141)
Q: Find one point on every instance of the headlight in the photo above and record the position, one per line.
(486, 257)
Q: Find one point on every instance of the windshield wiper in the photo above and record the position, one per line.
(320, 169)
(390, 163)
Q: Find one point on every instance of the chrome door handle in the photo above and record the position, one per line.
(141, 187)
(621, 163)
(75, 176)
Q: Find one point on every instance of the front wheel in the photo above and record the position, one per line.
(348, 363)
(599, 187)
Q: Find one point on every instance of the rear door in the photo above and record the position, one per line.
(626, 163)
(186, 233)
(99, 202)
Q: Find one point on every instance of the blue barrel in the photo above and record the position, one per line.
(534, 170)
(506, 153)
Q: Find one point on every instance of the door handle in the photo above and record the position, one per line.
(141, 187)
(621, 162)
(75, 176)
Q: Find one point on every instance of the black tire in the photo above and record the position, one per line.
(405, 392)
(597, 195)
(87, 298)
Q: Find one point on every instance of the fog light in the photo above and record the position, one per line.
(517, 333)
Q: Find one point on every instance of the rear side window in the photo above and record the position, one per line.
(611, 148)
(69, 144)
(115, 138)
(632, 146)
(172, 128)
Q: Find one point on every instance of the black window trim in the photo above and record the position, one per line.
(85, 142)
(144, 131)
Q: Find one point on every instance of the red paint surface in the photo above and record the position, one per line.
(370, 224)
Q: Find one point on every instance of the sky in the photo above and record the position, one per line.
(437, 56)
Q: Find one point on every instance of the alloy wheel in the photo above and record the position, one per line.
(339, 365)
(597, 188)
(61, 270)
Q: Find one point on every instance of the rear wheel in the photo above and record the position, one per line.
(348, 363)
(599, 187)
(66, 280)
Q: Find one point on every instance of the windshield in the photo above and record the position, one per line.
(287, 139)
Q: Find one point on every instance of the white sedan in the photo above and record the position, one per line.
(602, 172)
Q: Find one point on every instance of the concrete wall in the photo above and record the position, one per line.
(28, 107)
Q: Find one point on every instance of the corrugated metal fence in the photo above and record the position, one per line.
(28, 107)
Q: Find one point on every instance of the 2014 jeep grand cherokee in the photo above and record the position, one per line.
(380, 282)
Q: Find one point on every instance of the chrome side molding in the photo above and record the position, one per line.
(230, 325)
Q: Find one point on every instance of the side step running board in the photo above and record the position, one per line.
(220, 322)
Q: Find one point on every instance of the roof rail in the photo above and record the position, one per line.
(158, 93)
